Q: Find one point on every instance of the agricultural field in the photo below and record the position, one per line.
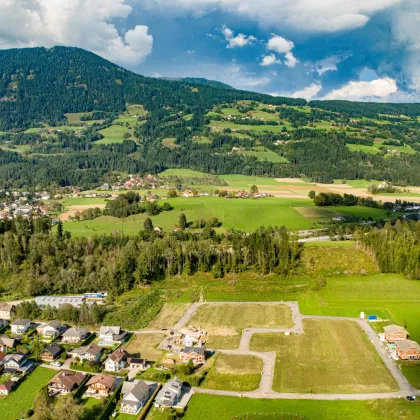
(144, 346)
(222, 125)
(17, 404)
(224, 319)
(224, 342)
(330, 357)
(113, 134)
(261, 153)
(215, 407)
(234, 373)
(168, 316)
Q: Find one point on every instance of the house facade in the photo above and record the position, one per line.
(64, 382)
(74, 335)
(395, 333)
(50, 330)
(20, 326)
(196, 354)
(100, 386)
(116, 361)
(51, 353)
(408, 350)
(136, 363)
(7, 310)
(135, 395)
(17, 363)
(112, 334)
(90, 353)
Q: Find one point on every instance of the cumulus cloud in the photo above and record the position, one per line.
(378, 89)
(83, 23)
(239, 40)
(308, 92)
(291, 60)
(305, 15)
(269, 60)
(279, 44)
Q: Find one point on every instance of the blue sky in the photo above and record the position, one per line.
(317, 49)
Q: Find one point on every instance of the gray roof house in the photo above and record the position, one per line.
(115, 334)
(136, 394)
(51, 329)
(6, 343)
(90, 352)
(20, 326)
(170, 393)
(74, 335)
(17, 362)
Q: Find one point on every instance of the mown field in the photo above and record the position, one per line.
(144, 346)
(21, 400)
(330, 357)
(113, 134)
(168, 316)
(212, 407)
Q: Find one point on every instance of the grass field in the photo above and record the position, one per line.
(21, 400)
(234, 373)
(168, 316)
(144, 346)
(334, 244)
(112, 134)
(411, 370)
(212, 407)
(238, 317)
(237, 214)
(330, 357)
(223, 342)
(261, 153)
(83, 201)
(238, 127)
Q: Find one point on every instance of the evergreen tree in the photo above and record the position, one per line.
(148, 225)
(182, 221)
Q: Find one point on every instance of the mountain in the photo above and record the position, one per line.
(40, 84)
(206, 82)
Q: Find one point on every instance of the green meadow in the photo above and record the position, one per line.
(113, 134)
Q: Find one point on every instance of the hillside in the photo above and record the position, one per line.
(101, 120)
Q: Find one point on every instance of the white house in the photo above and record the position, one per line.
(20, 326)
(116, 361)
(112, 334)
(170, 393)
(6, 310)
(90, 353)
(135, 395)
(51, 329)
(74, 335)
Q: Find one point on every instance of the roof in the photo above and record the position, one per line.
(53, 324)
(92, 349)
(5, 306)
(53, 349)
(136, 360)
(109, 330)
(2, 355)
(118, 355)
(199, 350)
(395, 329)
(138, 392)
(7, 386)
(56, 301)
(17, 357)
(76, 332)
(407, 344)
(21, 322)
(68, 378)
(105, 380)
(7, 341)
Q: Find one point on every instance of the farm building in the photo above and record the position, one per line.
(395, 333)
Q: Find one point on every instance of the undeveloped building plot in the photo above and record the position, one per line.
(226, 319)
(332, 356)
(234, 373)
(145, 346)
(168, 316)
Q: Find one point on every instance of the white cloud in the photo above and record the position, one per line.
(305, 15)
(279, 44)
(291, 60)
(375, 90)
(83, 23)
(329, 63)
(308, 93)
(239, 40)
(269, 60)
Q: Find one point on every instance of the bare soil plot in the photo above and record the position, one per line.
(72, 210)
(234, 373)
(216, 318)
(168, 316)
(332, 356)
(144, 346)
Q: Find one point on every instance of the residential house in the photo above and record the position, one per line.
(7, 310)
(112, 334)
(74, 335)
(408, 350)
(135, 395)
(17, 363)
(64, 382)
(51, 353)
(116, 361)
(395, 333)
(20, 326)
(6, 388)
(6, 343)
(196, 354)
(91, 352)
(51, 329)
(170, 394)
(100, 386)
(136, 363)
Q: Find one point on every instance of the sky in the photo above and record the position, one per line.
(367, 50)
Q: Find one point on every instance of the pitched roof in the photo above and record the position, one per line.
(7, 386)
(118, 355)
(138, 392)
(199, 350)
(53, 349)
(407, 344)
(7, 341)
(5, 306)
(105, 380)
(53, 324)
(109, 330)
(75, 332)
(2, 356)
(92, 349)
(21, 322)
(68, 378)
(136, 360)
(395, 329)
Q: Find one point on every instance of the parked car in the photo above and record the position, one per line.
(411, 398)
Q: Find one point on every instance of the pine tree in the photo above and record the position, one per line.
(148, 225)
(182, 221)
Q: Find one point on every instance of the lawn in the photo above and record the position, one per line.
(219, 318)
(234, 373)
(236, 213)
(360, 211)
(83, 201)
(411, 370)
(215, 407)
(112, 134)
(144, 346)
(223, 342)
(330, 357)
(363, 148)
(21, 400)
(238, 127)
(168, 316)
(262, 153)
